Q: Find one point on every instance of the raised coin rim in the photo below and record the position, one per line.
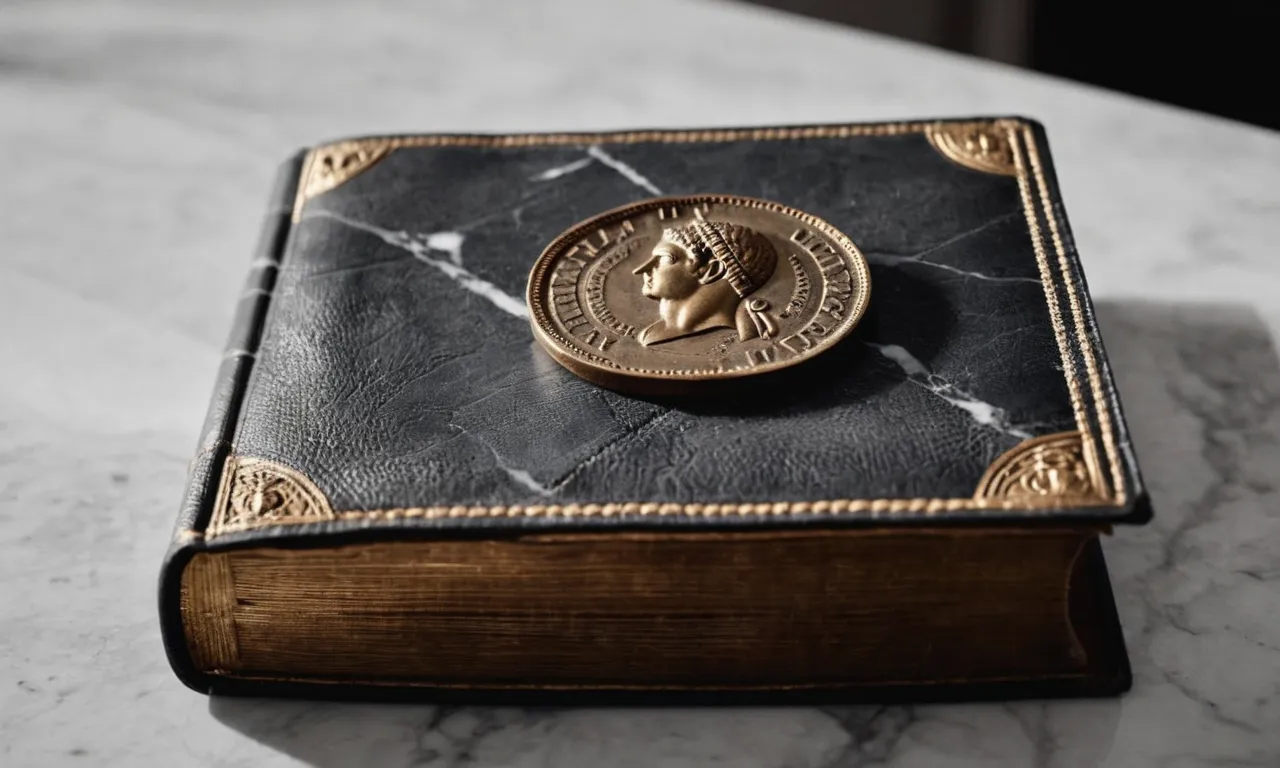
(584, 363)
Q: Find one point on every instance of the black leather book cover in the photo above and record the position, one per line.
(382, 380)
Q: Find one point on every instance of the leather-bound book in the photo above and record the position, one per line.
(408, 485)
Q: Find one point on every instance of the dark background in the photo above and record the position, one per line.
(1221, 57)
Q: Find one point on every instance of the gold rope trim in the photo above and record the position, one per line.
(330, 165)
(668, 509)
(1050, 290)
(240, 509)
(1082, 336)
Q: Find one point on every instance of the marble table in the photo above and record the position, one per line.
(138, 142)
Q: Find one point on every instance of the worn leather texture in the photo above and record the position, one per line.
(396, 370)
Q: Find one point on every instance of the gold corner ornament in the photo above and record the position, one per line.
(981, 146)
(663, 294)
(1050, 470)
(256, 493)
(328, 166)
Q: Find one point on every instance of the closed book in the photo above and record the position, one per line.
(398, 491)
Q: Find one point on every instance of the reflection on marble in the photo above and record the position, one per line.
(140, 138)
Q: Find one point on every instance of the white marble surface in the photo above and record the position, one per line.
(138, 143)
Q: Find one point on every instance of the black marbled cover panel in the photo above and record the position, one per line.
(397, 367)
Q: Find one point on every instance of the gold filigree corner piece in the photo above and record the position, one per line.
(257, 493)
(982, 147)
(333, 164)
(1055, 470)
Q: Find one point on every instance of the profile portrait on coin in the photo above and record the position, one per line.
(702, 275)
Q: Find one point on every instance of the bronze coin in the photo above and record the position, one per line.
(664, 294)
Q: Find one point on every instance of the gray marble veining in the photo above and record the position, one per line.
(139, 142)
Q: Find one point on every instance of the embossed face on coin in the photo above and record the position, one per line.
(700, 274)
(661, 294)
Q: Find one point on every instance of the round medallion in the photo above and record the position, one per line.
(663, 294)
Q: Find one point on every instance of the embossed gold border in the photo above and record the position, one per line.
(1033, 188)
(376, 148)
(1082, 336)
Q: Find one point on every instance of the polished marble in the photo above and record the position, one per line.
(139, 141)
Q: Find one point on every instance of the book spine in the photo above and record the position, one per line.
(238, 356)
(217, 434)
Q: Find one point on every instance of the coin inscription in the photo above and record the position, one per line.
(664, 293)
